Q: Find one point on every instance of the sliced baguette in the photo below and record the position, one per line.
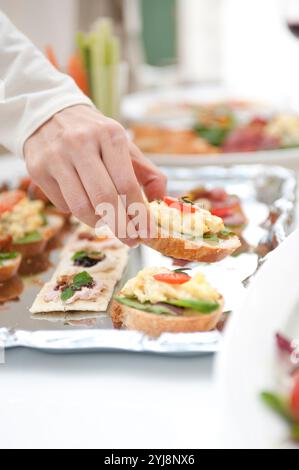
(155, 324)
(31, 249)
(190, 250)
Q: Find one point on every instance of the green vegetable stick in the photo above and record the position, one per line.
(113, 78)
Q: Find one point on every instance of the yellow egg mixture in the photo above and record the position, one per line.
(146, 288)
(193, 225)
(25, 217)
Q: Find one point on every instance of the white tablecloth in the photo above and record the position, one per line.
(106, 401)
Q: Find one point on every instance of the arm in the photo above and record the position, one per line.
(76, 155)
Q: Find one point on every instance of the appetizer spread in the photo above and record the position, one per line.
(159, 300)
(221, 204)
(86, 275)
(220, 127)
(286, 401)
(27, 223)
(187, 231)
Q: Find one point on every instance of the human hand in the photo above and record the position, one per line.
(81, 159)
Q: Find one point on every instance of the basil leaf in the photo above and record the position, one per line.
(202, 306)
(29, 238)
(78, 255)
(146, 307)
(67, 294)
(82, 279)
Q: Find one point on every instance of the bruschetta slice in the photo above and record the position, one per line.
(9, 260)
(159, 300)
(185, 231)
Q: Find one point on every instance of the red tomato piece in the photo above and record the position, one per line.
(179, 205)
(173, 278)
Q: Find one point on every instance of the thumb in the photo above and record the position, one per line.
(154, 182)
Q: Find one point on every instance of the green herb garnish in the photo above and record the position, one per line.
(7, 256)
(211, 237)
(29, 238)
(186, 200)
(84, 254)
(182, 270)
(44, 218)
(225, 233)
(79, 280)
(214, 135)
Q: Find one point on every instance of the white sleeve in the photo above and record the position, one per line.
(31, 89)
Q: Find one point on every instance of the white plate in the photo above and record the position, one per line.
(246, 365)
(135, 109)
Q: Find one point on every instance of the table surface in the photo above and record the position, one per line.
(106, 401)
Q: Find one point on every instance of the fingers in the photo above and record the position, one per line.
(75, 195)
(103, 195)
(51, 189)
(149, 176)
(117, 160)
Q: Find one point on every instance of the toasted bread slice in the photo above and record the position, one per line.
(200, 250)
(34, 248)
(155, 324)
(9, 268)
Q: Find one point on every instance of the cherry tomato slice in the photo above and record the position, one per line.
(9, 199)
(179, 205)
(222, 211)
(295, 400)
(172, 278)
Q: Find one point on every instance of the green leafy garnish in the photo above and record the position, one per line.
(146, 307)
(44, 218)
(79, 255)
(7, 256)
(79, 280)
(181, 270)
(82, 279)
(225, 233)
(277, 404)
(84, 254)
(67, 294)
(29, 238)
(215, 135)
(211, 237)
(186, 200)
(202, 306)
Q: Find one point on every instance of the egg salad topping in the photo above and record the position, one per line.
(285, 127)
(192, 224)
(145, 288)
(25, 217)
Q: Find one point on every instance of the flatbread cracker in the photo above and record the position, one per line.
(119, 261)
(99, 305)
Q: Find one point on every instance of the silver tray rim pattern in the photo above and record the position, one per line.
(168, 344)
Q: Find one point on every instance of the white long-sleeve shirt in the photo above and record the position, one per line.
(31, 89)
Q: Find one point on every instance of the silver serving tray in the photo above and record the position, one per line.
(263, 190)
